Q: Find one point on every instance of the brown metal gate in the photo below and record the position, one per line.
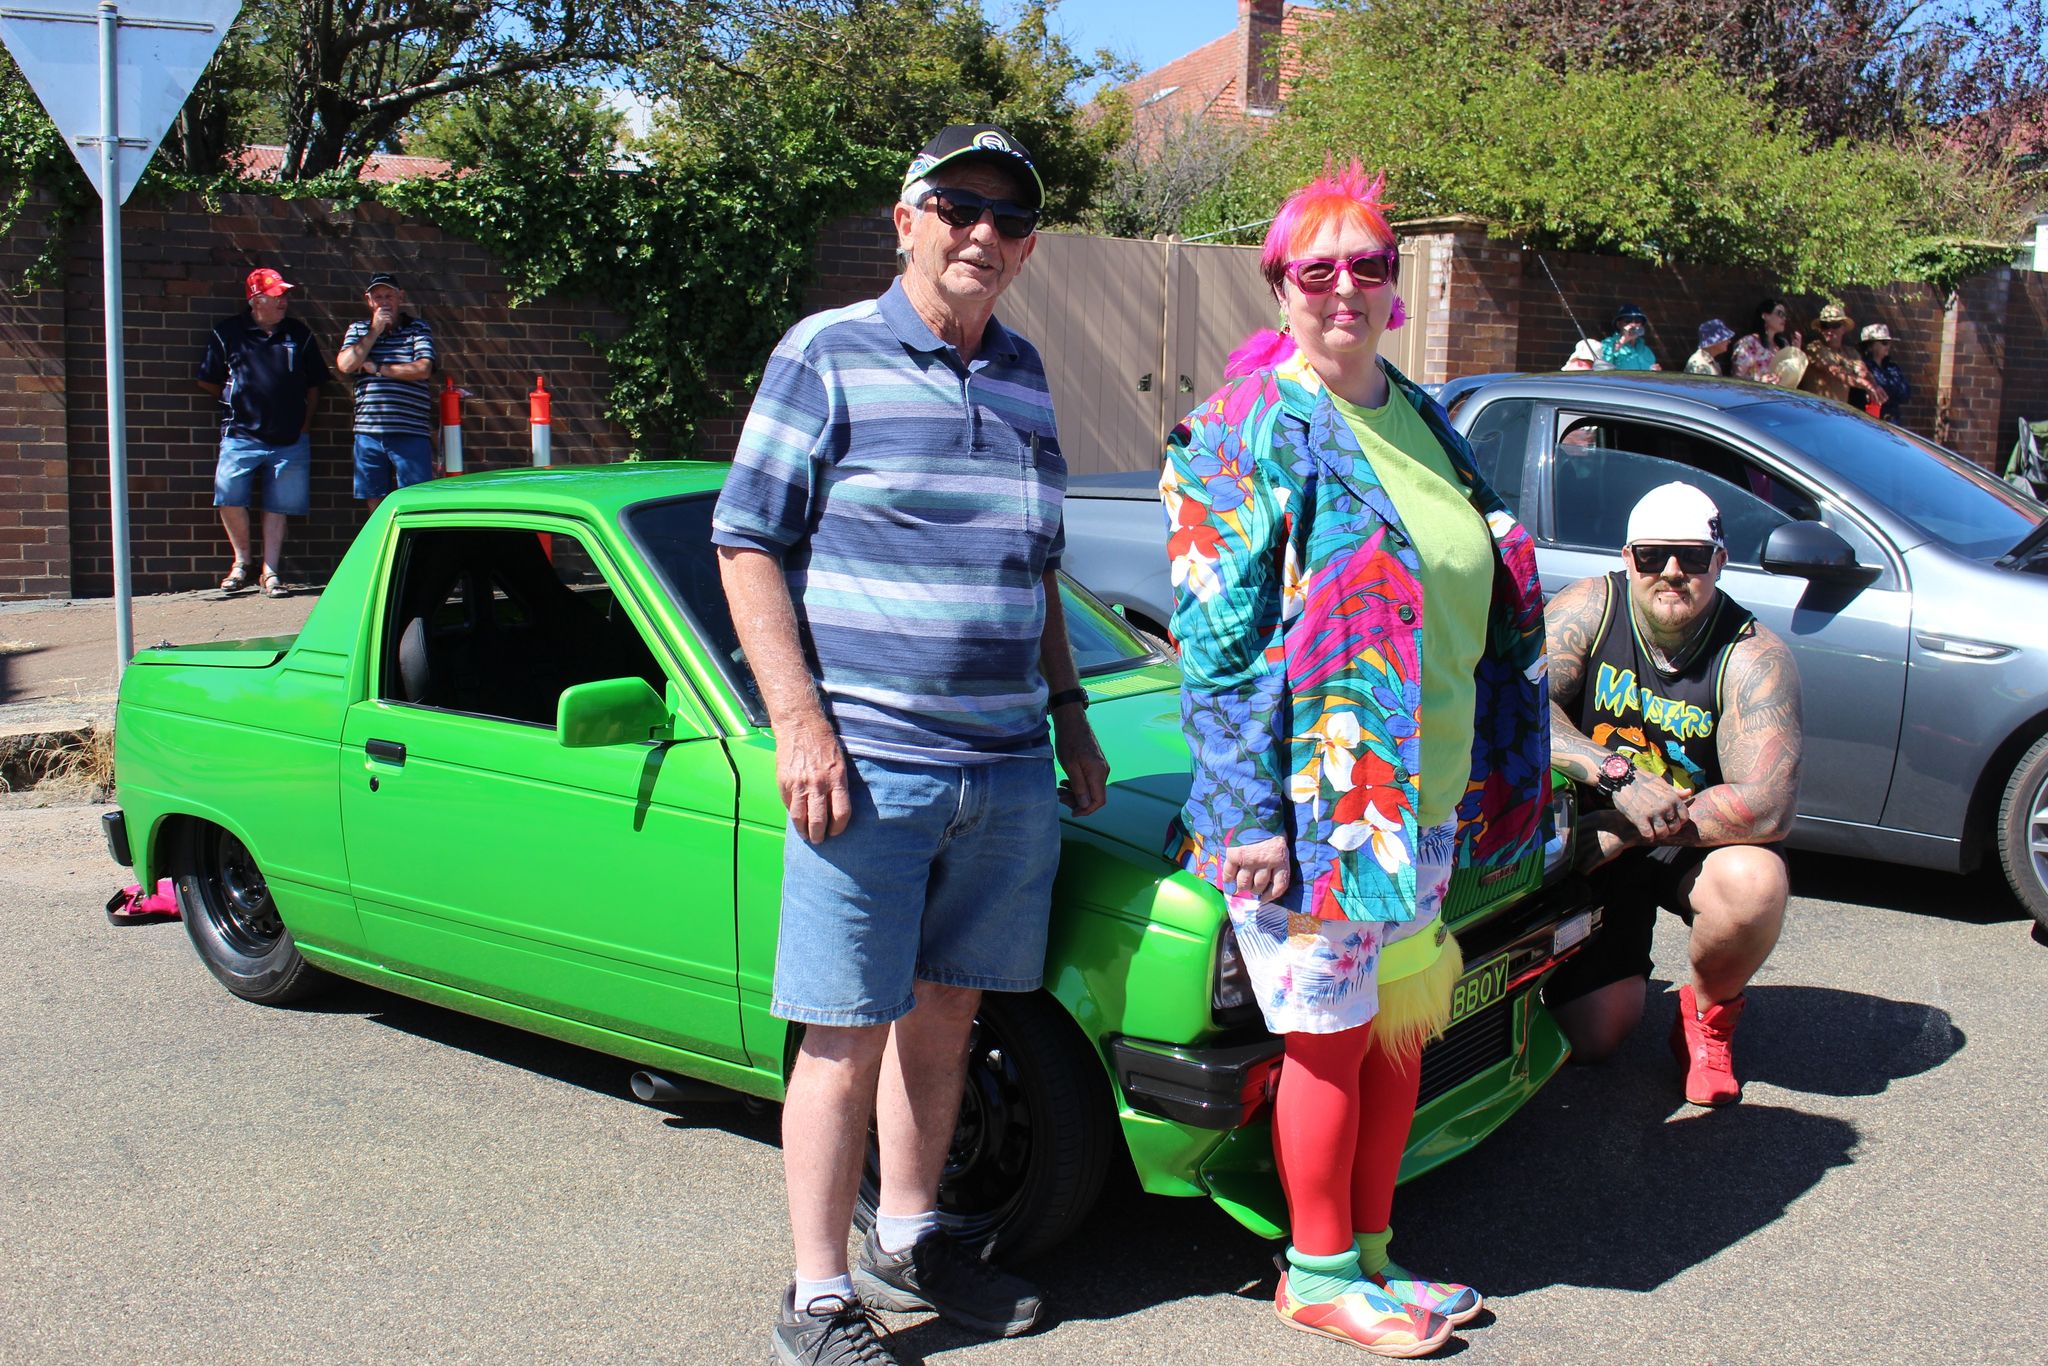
(1135, 333)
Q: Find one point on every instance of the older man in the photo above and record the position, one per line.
(1680, 713)
(888, 539)
(390, 355)
(266, 371)
(1833, 368)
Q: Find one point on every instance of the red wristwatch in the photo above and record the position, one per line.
(1616, 772)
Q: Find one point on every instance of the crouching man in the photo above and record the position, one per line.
(1679, 712)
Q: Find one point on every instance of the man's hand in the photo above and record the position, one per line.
(1601, 835)
(1654, 807)
(1087, 780)
(382, 320)
(1263, 870)
(810, 770)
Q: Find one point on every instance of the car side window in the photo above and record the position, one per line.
(1500, 443)
(1603, 465)
(495, 621)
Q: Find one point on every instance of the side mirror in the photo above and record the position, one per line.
(1808, 550)
(611, 711)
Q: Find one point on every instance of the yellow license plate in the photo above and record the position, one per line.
(1479, 988)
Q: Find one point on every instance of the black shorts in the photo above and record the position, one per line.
(1628, 889)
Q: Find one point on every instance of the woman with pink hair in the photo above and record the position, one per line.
(1361, 633)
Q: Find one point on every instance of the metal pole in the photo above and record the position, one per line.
(117, 386)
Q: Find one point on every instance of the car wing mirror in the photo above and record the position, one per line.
(611, 711)
(1808, 550)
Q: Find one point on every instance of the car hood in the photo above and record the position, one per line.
(1136, 718)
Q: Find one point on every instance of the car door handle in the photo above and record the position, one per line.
(385, 749)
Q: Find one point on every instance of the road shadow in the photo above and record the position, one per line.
(1982, 897)
(599, 1073)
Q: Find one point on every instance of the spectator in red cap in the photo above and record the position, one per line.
(266, 371)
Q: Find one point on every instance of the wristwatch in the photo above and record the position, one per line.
(1616, 772)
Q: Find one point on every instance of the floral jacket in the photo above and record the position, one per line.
(1299, 615)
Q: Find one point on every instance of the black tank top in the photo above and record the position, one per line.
(1664, 723)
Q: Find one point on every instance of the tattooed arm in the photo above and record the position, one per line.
(1648, 808)
(1759, 744)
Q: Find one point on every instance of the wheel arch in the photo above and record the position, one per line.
(1980, 832)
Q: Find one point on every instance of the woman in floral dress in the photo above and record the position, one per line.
(1361, 633)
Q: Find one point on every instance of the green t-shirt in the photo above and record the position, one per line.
(1457, 555)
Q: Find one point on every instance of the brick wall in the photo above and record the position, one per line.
(35, 524)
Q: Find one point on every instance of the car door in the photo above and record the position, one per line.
(1850, 643)
(594, 884)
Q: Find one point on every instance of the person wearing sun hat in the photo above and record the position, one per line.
(888, 540)
(1876, 345)
(266, 371)
(1711, 359)
(1625, 348)
(1678, 713)
(1832, 369)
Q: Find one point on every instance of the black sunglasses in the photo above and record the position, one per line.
(964, 208)
(1652, 556)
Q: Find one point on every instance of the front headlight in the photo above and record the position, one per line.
(1564, 816)
(1233, 988)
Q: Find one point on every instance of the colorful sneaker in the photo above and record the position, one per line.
(829, 1332)
(1702, 1046)
(1369, 1318)
(1457, 1304)
(940, 1275)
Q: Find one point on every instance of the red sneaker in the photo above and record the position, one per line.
(1701, 1045)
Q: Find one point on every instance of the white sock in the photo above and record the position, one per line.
(809, 1292)
(894, 1232)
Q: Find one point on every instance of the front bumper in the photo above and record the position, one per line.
(1228, 1083)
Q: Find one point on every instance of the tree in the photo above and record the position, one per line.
(529, 125)
(1166, 168)
(351, 73)
(1660, 157)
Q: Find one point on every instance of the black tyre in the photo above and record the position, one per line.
(1035, 1133)
(232, 921)
(2023, 831)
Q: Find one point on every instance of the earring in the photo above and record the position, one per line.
(1398, 315)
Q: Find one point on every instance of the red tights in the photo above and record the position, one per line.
(1340, 1125)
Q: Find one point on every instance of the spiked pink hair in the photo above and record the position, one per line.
(1345, 195)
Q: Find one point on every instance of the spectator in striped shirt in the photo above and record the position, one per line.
(391, 359)
(888, 540)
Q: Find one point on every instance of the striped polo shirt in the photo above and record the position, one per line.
(387, 407)
(915, 503)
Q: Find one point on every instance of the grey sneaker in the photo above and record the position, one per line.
(830, 1332)
(940, 1275)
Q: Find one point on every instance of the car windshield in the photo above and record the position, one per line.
(1946, 498)
(675, 536)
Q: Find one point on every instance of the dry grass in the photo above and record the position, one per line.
(83, 765)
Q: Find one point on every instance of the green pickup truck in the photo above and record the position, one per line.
(515, 765)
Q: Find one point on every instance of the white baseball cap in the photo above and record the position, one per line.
(1675, 512)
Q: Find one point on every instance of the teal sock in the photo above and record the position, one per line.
(1372, 1251)
(1319, 1280)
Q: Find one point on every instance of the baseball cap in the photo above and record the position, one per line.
(985, 142)
(265, 281)
(382, 278)
(1675, 512)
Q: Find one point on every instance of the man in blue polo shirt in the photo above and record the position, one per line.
(390, 355)
(266, 372)
(888, 539)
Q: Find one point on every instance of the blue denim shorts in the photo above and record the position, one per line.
(944, 874)
(392, 460)
(285, 472)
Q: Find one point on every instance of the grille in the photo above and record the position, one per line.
(1468, 1048)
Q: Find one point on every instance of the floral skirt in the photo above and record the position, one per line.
(1322, 976)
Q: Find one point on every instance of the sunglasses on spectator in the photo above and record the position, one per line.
(964, 208)
(1652, 556)
(1318, 274)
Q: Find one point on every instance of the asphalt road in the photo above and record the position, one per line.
(186, 1178)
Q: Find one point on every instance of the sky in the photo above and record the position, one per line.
(1153, 32)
